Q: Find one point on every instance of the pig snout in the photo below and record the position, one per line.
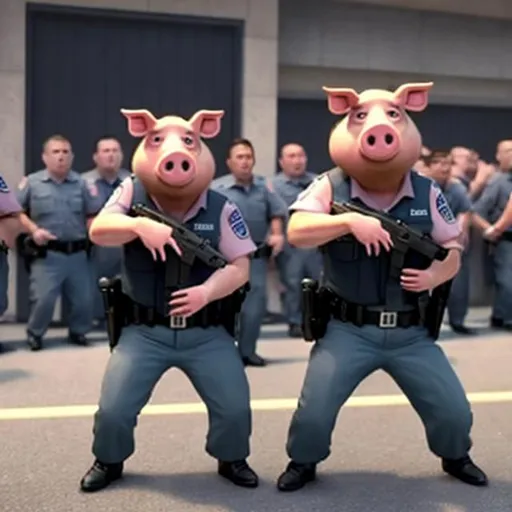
(177, 168)
(380, 142)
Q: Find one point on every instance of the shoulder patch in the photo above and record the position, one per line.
(93, 189)
(444, 209)
(238, 225)
(3, 186)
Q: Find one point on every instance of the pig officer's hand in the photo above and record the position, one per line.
(188, 301)
(155, 236)
(414, 280)
(42, 236)
(370, 233)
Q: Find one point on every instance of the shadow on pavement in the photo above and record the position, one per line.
(344, 491)
(13, 374)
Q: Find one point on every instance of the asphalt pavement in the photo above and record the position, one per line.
(379, 463)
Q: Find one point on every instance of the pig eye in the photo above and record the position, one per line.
(361, 115)
(189, 141)
(393, 114)
(156, 139)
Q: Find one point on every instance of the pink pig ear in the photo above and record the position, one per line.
(140, 122)
(341, 100)
(413, 97)
(207, 122)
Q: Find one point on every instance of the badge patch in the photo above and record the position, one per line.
(93, 189)
(3, 186)
(444, 209)
(238, 225)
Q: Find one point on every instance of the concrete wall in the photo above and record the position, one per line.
(362, 37)
(260, 75)
(307, 82)
(501, 9)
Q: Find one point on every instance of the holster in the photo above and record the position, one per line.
(315, 311)
(436, 307)
(29, 250)
(231, 307)
(113, 301)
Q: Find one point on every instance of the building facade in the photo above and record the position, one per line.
(264, 60)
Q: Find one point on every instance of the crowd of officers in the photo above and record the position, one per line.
(58, 205)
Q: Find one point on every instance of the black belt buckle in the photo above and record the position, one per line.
(69, 247)
(177, 322)
(388, 319)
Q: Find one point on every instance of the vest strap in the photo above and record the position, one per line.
(177, 271)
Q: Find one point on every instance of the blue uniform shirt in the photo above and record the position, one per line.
(457, 197)
(59, 207)
(258, 204)
(289, 188)
(494, 198)
(105, 188)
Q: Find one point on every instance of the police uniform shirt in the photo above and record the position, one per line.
(288, 188)
(104, 187)
(8, 202)
(235, 240)
(445, 229)
(256, 201)
(61, 208)
(457, 197)
(494, 198)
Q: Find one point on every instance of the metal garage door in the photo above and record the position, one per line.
(84, 65)
(442, 126)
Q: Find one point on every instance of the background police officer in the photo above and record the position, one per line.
(487, 211)
(293, 263)
(59, 203)
(438, 167)
(106, 177)
(264, 213)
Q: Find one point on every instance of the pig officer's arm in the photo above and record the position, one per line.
(235, 245)
(312, 225)
(446, 231)
(112, 227)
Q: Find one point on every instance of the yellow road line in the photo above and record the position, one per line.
(269, 404)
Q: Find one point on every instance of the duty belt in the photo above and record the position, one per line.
(360, 315)
(139, 314)
(3, 247)
(67, 247)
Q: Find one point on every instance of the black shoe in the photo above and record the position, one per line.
(296, 476)
(34, 342)
(295, 331)
(238, 472)
(100, 476)
(462, 329)
(254, 360)
(77, 339)
(498, 323)
(466, 471)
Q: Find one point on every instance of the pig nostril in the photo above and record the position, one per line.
(371, 140)
(388, 138)
(185, 165)
(169, 166)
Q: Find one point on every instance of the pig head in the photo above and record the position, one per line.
(172, 160)
(377, 142)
